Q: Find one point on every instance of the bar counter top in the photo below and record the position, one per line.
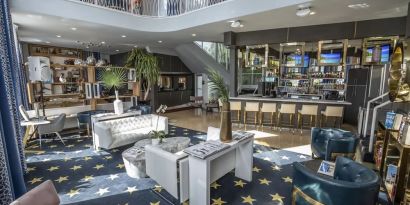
(290, 100)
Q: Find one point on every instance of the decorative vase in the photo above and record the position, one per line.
(226, 124)
(155, 141)
(118, 108)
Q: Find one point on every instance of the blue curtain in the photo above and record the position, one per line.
(11, 152)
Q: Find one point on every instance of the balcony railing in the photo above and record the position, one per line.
(217, 51)
(155, 8)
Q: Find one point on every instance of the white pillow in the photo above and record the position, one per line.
(213, 133)
(23, 113)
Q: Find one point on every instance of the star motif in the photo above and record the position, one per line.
(266, 158)
(73, 192)
(58, 152)
(275, 150)
(287, 179)
(75, 167)
(264, 181)
(35, 180)
(88, 178)
(276, 168)
(218, 201)
(215, 185)
(113, 176)
(61, 179)
(80, 140)
(108, 157)
(120, 166)
(87, 158)
(152, 203)
(46, 159)
(53, 168)
(158, 188)
(248, 199)
(115, 150)
(285, 157)
(256, 169)
(78, 151)
(30, 169)
(102, 191)
(239, 183)
(98, 166)
(67, 159)
(302, 157)
(88, 145)
(131, 189)
(52, 146)
(277, 197)
(69, 146)
(258, 151)
(40, 152)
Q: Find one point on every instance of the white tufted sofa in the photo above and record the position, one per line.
(115, 133)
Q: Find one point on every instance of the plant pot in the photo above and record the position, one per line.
(226, 124)
(155, 141)
(118, 106)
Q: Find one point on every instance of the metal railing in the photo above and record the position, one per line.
(217, 51)
(155, 8)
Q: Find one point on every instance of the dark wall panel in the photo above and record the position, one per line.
(119, 59)
(381, 27)
(259, 37)
(322, 32)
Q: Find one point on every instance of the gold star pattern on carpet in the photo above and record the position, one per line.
(239, 183)
(215, 185)
(218, 201)
(264, 181)
(35, 180)
(73, 192)
(30, 169)
(102, 191)
(108, 157)
(276, 168)
(256, 169)
(115, 150)
(69, 146)
(53, 168)
(131, 189)
(120, 166)
(98, 166)
(76, 167)
(88, 178)
(61, 179)
(158, 188)
(277, 197)
(87, 158)
(67, 159)
(248, 200)
(152, 203)
(40, 152)
(52, 146)
(113, 176)
(266, 158)
(287, 179)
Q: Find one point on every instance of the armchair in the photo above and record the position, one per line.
(352, 184)
(43, 194)
(329, 143)
(56, 125)
(170, 170)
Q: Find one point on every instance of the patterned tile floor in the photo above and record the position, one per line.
(84, 176)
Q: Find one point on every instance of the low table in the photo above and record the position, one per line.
(134, 157)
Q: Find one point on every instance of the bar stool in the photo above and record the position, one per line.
(287, 109)
(332, 111)
(267, 108)
(307, 110)
(236, 106)
(252, 107)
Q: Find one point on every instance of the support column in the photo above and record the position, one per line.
(230, 41)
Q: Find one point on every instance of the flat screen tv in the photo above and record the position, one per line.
(385, 54)
(330, 58)
(296, 60)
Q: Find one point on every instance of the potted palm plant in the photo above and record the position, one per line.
(114, 78)
(218, 85)
(146, 67)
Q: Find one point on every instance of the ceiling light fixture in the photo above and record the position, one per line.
(159, 41)
(47, 41)
(358, 6)
(302, 12)
(102, 42)
(136, 46)
(117, 50)
(312, 13)
(58, 36)
(194, 34)
(241, 25)
(235, 23)
(74, 28)
(123, 36)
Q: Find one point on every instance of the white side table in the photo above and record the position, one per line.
(32, 124)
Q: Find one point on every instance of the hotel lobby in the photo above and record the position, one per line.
(166, 102)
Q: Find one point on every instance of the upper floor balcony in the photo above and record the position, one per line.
(152, 8)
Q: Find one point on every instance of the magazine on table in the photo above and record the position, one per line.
(206, 149)
(327, 168)
(241, 135)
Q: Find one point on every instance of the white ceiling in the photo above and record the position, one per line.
(41, 22)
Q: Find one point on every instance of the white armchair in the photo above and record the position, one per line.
(169, 170)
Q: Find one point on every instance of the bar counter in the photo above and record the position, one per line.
(290, 100)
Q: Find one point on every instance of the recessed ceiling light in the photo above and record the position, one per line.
(136, 46)
(241, 25)
(159, 41)
(58, 36)
(235, 23)
(194, 34)
(123, 36)
(117, 50)
(302, 12)
(358, 6)
(74, 28)
(87, 47)
(47, 41)
(312, 13)
(102, 42)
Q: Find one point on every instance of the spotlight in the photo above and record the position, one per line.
(302, 12)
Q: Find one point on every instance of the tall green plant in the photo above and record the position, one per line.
(146, 66)
(218, 85)
(114, 77)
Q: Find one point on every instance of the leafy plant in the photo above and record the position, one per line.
(113, 77)
(218, 85)
(146, 66)
(158, 134)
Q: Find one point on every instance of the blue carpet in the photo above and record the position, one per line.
(84, 176)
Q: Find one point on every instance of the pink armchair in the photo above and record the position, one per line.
(43, 194)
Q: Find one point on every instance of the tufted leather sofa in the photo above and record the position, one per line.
(352, 184)
(115, 133)
(328, 143)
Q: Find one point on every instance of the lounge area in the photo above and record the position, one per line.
(177, 102)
